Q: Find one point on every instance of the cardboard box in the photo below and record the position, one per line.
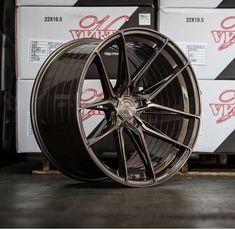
(7, 18)
(217, 132)
(42, 26)
(206, 35)
(196, 4)
(84, 3)
(7, 65)
(42, 29)
(7, 120)
(25, 139)
(7, 88)
(46, 2)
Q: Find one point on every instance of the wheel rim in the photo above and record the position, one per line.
(148, 106)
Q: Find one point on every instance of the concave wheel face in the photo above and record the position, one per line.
(127, 108)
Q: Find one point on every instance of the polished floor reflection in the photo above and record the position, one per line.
(56, 201)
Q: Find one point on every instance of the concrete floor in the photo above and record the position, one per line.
(56, 201)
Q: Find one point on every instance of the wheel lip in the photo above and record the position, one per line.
(33, 114)
(103, 168)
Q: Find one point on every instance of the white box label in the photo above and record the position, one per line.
(40, 49)
(29, 125)
(195, 52)
(145, 19)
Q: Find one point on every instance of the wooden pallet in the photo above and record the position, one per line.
(47, 169)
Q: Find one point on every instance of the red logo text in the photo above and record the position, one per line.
(93, 27)
(225, 109)
(225, 37)
(90, 95)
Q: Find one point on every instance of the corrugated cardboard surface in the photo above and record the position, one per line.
(196, 4)
(84, 3)
(218, 115)
(207, 36)
(40, 30)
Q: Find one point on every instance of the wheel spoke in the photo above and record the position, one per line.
(149, 90)
(172, 111)
(163, 164)
(124, 78)
(98, 105)
(138, 75)
(98, 128)
(163, 83)
(162, 136)
(151, 126)
(103, 133)
(139, 141)
(121, 154)
(105, 82)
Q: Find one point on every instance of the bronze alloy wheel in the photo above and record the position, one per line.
(126, 108)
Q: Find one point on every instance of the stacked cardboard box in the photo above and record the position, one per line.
(7, 73)
(42, 26)
(7, 33)
(205, 31)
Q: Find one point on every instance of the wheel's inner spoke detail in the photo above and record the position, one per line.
(105, 82)
(121, 153)
(155, 133)
(98, 105)
(172, 111)
(124, 78)
(104, 132)
(150, 125)
(139, 141)
(140, 72)
(126, 107)
(165, 82)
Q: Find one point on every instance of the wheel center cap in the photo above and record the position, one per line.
(126, 108)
